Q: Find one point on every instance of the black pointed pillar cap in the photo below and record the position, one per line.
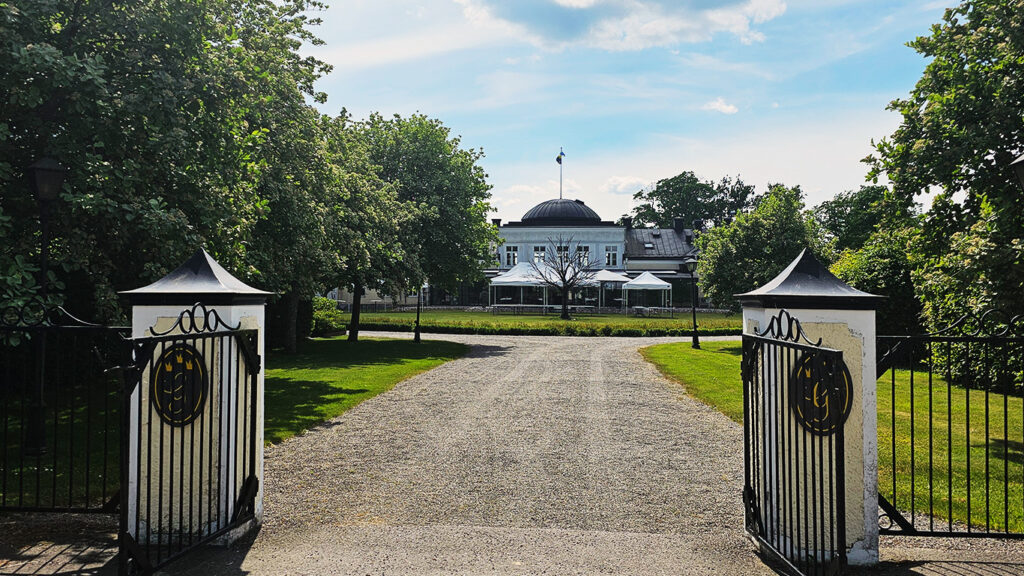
(807, 283)
(200, 279)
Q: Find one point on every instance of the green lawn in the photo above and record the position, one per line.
(598, 324)
(712, 375)
(329, 376)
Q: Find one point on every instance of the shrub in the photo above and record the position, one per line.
(327, 319)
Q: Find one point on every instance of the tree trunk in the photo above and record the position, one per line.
(291, 320)
(357, 301)
(565, 304)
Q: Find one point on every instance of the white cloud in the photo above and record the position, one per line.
(720, 105)
(627, 25)
(623, 185)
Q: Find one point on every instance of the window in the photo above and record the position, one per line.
(648, 246)
(611, 255)
(538, 254)
(583, 255)
(511, 255)
(563, 253)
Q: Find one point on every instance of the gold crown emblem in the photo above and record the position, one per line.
(167, 366)
(188, 365)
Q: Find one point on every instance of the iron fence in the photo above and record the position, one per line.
(950, 403)
(59, 411)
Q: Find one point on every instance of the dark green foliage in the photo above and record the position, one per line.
(171, 117)
(963, 123)
(849, 219)
(688, 197)
(882, 267)
(755, 247)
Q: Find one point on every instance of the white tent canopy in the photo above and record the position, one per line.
(522, 274)
(609, 276)
(646, 281)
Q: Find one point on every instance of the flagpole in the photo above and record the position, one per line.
(560, 155)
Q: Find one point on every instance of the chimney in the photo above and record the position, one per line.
(687, 235)
(496, 221)
(677, 224)
(627, 221)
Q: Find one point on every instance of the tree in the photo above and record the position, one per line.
(159, 109)
(849, 219)
(450, 236)
(566, 266)
(755, 247)
(368, 221)
(882, 266)
(962, 126)
(685, 195)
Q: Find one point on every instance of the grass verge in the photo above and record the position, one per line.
(470, 322)
(328, 376)
(945, 444)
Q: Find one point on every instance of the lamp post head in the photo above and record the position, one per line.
(690, 264)
(46, 177)
(1018, 169)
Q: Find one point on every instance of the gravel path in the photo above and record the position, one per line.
(531, 455)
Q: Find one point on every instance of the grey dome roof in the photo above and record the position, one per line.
(561, 211)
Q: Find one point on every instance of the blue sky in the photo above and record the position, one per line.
(635, 90)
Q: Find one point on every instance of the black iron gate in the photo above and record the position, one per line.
(796, 397)
(190, 414)
(59, 411)
(951, 446)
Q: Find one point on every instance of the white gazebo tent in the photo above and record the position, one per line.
(646, 281)
(522, 275)
(603, 277)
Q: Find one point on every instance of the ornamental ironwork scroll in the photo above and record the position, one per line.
(197, 320)
(783, 326)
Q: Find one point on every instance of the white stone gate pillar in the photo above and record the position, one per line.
(224, 302)
(844, 319)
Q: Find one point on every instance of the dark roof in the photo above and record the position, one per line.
(561, 212)
(200, 279)
(807, 283)
(665, 242)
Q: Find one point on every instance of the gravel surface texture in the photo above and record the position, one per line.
(532, 455)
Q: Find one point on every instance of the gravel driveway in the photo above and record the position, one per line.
(532, 455)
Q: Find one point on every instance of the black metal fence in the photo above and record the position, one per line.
(796, 397)
(951, 422)
(59, 411)
(190, 409)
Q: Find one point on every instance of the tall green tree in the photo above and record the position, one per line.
(159, 108)
(450, 235)
(849, 219)
(687, 196)
(963, 123)
(756, 246)
(368, 223)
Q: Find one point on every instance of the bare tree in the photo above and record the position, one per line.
(565, 266)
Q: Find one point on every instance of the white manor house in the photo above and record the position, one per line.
(618, 248)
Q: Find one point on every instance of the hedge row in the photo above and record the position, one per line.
(566, 330)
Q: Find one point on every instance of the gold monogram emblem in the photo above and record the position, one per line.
(820, 393)
(178, 385)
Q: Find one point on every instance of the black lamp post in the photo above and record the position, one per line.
(419, 304)
(46, 177)
(691, 267)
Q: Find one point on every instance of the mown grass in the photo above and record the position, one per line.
(480, 322)
(955, 448)
(328, 376)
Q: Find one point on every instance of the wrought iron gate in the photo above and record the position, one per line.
(796, 397)
(59, 411)
(190, 414)
(951, 404)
